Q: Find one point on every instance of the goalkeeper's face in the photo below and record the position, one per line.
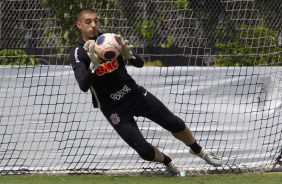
(88, 24)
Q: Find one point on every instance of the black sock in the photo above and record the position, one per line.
(195, 147)
(167, 159)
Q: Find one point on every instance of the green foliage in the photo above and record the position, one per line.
(168, 43)
(184, 4)
(63, 16)
(254, 46)
(16, 57)
(154, 63)
(65, 31)
(147, 28)
(63, 21)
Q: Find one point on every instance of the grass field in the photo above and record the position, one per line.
(247, 178)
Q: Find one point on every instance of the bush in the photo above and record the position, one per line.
(254, 46)
(16, 57)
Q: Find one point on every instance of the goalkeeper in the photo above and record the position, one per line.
(120, 99)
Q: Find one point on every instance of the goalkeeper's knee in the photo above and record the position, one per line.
(147, 153)
(177, 126)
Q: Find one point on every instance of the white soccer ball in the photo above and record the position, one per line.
(108, 46)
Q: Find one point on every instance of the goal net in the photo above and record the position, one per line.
(215, 64)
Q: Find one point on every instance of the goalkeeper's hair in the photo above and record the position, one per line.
(84, 10)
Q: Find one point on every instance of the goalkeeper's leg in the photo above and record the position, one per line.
(130, 133)
(196, 149)
(170, 165)
(160, 114)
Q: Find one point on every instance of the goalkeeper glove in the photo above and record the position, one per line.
(89, 46)
(126, 49)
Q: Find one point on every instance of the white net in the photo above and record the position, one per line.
(216, 64)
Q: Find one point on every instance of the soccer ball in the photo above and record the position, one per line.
(108, 46)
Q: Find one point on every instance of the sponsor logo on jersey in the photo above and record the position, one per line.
(107, 67)
(120, 93)
(115, 119)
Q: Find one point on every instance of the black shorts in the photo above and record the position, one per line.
(141, 103)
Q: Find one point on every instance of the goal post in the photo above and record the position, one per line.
(215, 64)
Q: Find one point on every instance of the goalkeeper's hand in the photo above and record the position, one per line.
(126, 49)
(89, 46)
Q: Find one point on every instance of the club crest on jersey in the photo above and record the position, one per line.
(115, 119)
(107, 67)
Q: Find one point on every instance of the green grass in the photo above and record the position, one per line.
(247, 178)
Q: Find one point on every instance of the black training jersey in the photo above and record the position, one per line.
(110, 84)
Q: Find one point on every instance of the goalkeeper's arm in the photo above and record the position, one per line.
(84, 77)
(84, 62)
(137, 61)
(126, 52)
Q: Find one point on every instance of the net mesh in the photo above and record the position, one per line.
(215, 64)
